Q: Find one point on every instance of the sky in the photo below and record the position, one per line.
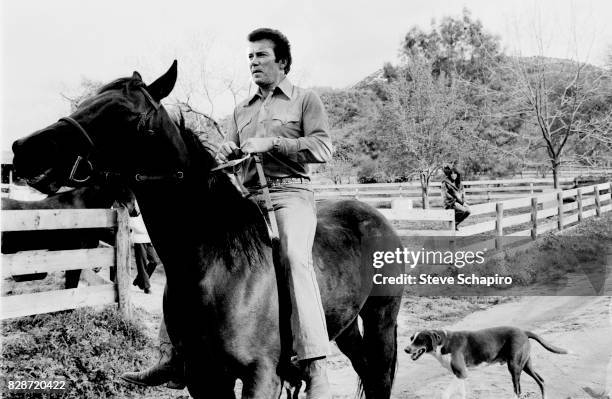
(49, 47)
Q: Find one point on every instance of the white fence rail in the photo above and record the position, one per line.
(41, 261)
(532, 219)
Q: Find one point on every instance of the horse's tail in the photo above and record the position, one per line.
(360, 391)
(394, 361)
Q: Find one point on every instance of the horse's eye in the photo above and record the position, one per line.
(150, 132)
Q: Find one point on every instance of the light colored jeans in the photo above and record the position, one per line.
(295, 210)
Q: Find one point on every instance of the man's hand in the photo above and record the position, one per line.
(257, 145)
(225, 150)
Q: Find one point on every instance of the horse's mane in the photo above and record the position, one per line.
(115, 84)
(235, 227)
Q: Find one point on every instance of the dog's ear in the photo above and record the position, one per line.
(436, 338)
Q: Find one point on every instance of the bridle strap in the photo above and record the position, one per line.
(138, 177)
(176, 176)
(80, 128)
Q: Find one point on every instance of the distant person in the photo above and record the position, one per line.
(144, 253)
(454, 196)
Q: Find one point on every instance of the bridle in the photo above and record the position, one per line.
(85, 160)
(80, 159)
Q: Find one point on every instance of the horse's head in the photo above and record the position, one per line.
(121, 130)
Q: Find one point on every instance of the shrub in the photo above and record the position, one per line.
(86, 347)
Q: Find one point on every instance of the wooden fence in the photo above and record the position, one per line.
(571, 171)
(41, 261)
(530, 215)
(569, 206)
(381, 194)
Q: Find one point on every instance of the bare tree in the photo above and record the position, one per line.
(86, 89)
(208, 79)
(559, 99)
(421, 122)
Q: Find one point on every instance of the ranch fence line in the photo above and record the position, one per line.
(566, 206)
(567, 172)
(529, 215)
(477, 191)
(40, 261)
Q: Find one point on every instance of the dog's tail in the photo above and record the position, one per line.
(545, 344)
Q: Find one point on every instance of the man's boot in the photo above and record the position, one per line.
(169, 369)
(317, 384)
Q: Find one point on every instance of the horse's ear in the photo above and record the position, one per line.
(164, 84)
(136, 76)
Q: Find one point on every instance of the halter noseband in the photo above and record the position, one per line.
(75, 167)
(138, 177)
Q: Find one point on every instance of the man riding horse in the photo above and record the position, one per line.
(288, 126)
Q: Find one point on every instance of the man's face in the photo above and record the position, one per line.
(264, 69)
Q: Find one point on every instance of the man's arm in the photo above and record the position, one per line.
(315, 146)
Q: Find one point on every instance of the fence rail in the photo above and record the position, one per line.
(536, 210)
(381, 194)
(41, 261)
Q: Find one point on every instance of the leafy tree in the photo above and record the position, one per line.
(455, 47)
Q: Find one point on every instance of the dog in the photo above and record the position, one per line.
(458, 350)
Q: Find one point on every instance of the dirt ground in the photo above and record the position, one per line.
(580, 324)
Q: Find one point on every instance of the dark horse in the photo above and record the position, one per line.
(95, 196)
(221, 304)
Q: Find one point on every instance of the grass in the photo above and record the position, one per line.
(88, 348)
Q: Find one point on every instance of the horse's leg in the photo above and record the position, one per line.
(72, 278)
(207, 379)
(350, 343)
(211, 387)
(379, 316)
(262, 383)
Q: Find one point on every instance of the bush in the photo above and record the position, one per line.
(88, 348)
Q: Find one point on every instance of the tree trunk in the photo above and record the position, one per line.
(425, 190)
(555, 167)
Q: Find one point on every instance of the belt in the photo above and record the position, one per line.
(279, 181)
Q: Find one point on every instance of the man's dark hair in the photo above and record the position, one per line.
(282, 48)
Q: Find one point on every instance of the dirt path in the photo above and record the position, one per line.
(580, 324)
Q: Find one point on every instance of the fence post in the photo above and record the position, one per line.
(499, 209)
(534, 218)
(357, 193)
(597, 201)
(531, 187)
(122, 276)
(560, 209)
(579, 200)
